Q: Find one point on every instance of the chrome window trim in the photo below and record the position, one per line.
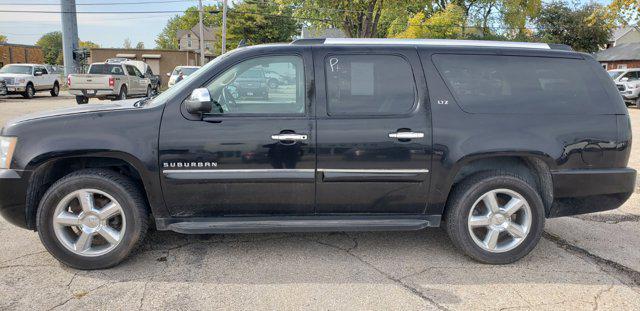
(391, 171)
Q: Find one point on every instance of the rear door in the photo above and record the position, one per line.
(374, 131)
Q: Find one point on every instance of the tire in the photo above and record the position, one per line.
(638, 102)
(273, 84)
(467, 195)
(105, 186)
(123, 93)
(149, 91)
(55, 91)
(81, 100)
(29, 91)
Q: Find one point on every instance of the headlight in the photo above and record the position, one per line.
(7, 146)
(631, 86)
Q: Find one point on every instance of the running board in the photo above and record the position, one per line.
(296, 224)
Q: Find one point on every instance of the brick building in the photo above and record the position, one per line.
(160, 61)
(18, 53)
(621, 56)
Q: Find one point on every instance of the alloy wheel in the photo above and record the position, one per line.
(499, 220)
(89, 222)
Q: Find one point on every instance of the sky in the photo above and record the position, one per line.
(103, 28)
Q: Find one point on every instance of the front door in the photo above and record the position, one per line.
(374, 131)
(254, 155)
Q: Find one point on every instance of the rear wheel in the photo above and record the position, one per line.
(55, 90)
(149, 91)
(92, 219)
(123, 93)
(495, 217)
(81, 100)
(29, 91)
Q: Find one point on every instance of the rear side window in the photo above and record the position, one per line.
(369, 85)
(522, 84)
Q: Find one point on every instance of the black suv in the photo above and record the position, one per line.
(486, 139)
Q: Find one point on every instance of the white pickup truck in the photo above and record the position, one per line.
(628, 83)
(27, 79)
(109, 80)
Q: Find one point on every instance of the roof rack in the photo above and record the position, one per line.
(430, 42)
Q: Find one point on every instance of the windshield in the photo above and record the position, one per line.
(615, 74)
(25, 70)
(164, 96)
(185, 71)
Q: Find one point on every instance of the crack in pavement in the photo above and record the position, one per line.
(612, 219)
(598, 296)
(630, 277)
(144, 295)
(79, 296)
(22, 256)
(397, 281)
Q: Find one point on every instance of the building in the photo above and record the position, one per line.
(19, 53)
(623, 35)
(160, 61)
(189, 40)
(621, 56)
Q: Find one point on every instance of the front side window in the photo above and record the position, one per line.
(244, 88)
(522, 84)
(369, 85)
(131, 70)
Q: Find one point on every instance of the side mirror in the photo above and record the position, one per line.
(37, 73)
(168, 74)
(625, 79)
(199, 102)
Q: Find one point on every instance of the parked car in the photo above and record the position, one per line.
(145, 69)
(507, 135)
(251, 83)
(186, 71)
(3, 88)
(109, 80)
(27, 79)
(628, 83)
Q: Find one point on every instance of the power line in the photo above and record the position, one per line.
(103, 4)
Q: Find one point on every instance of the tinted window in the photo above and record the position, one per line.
(369, 85)
(243, 89)
(517, 84)
(131, 70)
(106, 69)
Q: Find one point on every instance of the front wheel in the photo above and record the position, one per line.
(495, 217)
(92, 219)
(29, 91)
(638, 102)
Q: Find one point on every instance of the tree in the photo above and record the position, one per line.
(168, 38)
(448, 23)
(126, 44)
(51, 44)
(584, 28)
(624, 11)
(88, 45)
(140, 45)
(3, 39)
(261, 22)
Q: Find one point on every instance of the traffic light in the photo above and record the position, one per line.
(81, 54)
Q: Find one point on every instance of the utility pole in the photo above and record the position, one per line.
(69, 35)
(200, 13)
(224, 26)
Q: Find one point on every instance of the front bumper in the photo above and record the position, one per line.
(630, 94)
(13, 196)
(590, 190)
(13, 89)
(93, 93)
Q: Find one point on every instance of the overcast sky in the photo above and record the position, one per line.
(105, 29)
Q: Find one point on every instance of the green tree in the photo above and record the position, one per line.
(88, 45)
(261, 22)
(51, 44)
(584, 28)
(624, 11)
(168, 38)
(447, 23)
(3, 39)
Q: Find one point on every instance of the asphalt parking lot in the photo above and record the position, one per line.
(583, 262)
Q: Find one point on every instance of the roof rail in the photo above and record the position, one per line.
(430, 42)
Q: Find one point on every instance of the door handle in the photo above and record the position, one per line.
(406, 135)
(292, 137)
